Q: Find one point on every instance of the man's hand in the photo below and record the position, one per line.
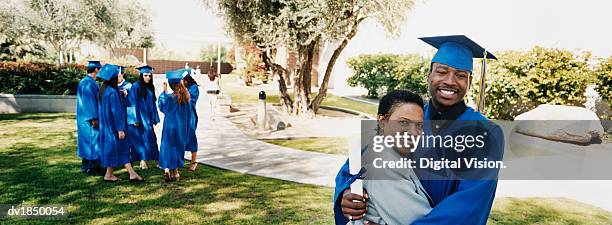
(125, 93)
(121, 135)
(94, 123)
(353, 205)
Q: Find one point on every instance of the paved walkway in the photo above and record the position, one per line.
(222, 144)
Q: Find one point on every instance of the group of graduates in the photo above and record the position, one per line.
(115, 121)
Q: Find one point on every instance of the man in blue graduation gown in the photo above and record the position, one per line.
(454, 200)
(88, 145)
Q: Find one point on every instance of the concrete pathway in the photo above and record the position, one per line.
(222, 144)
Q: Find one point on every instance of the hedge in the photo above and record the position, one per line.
(520, 81)
(382, 73)
(39, 78)
(45, 79)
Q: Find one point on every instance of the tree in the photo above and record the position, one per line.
(302, 26)
(66, 24)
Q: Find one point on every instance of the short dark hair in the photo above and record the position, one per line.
(91, 69)
(396, 97)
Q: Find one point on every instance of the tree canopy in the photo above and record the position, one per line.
(302, 26)
(64, 25)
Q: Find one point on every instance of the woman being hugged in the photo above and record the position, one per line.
(177, 116)
(142, 117)
(113, 123)
(194, 94)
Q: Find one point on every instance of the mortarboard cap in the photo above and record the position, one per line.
(94, 64)
(108, 71)
(456, 51)
(185, 72)
(174, 76)
(145, 69)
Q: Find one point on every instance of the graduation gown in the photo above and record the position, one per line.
(142, 111)
(115, 152)
(192, 142)
(454, 201)
(174, 134)
(88, 145)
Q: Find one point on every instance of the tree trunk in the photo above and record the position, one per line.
(316, 102)
(301, 105)
(285, 99)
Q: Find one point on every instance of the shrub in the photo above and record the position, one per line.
(603, 75)
(39, 78)
(384, 72)
(520, 81)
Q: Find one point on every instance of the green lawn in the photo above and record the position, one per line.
(546, 211)
(243, 94)
(39, 166)
(327, 145)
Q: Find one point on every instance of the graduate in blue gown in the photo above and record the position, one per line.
(113, 126)
(176, 108)
(454, 200)
(194, 94)
(142, 117)
(88, 145)
(124, 86)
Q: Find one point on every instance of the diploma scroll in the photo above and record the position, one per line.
(355, 164)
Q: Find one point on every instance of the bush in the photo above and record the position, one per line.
(603, 75)
(382, 73)
(39, 78)
(520, 81)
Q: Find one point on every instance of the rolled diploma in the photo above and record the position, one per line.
(355, 164)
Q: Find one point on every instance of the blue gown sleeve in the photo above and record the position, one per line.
(133, 112)
(163, 103)
(90, 100)
(155, 114)
(341, 185)
(195, 94)
(474, 199)
(118, 112)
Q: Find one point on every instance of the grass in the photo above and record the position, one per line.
(546, 211)
(39, 166)
(327, 145)
(243, 94)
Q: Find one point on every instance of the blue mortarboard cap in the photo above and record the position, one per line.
(94, 64)
(108, 71)
(456, 51)
(185, 72)
(174, 76)
(145, 69)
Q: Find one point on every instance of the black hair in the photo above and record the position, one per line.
(107, 83)
(91, 69)
(189, 81)
(145, 86)
(391, 100)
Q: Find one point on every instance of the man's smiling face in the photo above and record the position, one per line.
(447, 85)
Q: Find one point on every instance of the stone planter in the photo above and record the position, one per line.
(10, 103)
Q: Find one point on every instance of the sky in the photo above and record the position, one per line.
(495, 24)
